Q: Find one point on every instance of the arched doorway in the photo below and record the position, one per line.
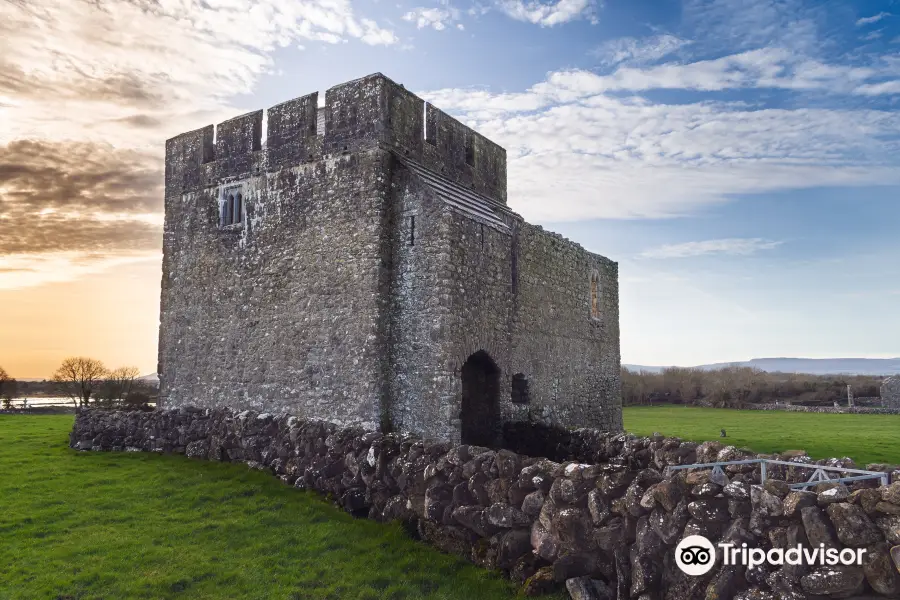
(479, 409)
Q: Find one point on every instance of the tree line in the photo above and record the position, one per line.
(85, 381)
(733, 386)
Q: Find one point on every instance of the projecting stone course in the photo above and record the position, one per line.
(598, 530)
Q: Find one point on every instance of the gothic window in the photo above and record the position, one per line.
(595, 295)
(231, 208)
(228, 210)
(238, 209)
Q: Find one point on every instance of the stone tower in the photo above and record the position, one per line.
(361, 266)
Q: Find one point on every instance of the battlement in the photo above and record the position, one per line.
(366, 113)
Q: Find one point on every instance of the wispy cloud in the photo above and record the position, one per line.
(638, 50)
(729, 246)
(567, 135)
(436, 18)
(872, 19)
(90, 88)
(550, 13)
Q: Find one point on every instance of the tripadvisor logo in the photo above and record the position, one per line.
(696, 555)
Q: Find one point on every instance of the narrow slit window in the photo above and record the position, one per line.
(470, 150)
(519, 389)
(412, 230)
(228, 210)
(430, 125)
(238, 208)
(595, 296)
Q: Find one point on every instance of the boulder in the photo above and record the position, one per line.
(737, 490)
(597, 507)
(887, 508)
(891, 493)
(533, 503)
(797, 500)
(668, 493)
(837, 581)
(880, 571)
(890, 527)
(838, 493)
(853, 527)
(513, 544)
(867, 498)
(540, 583)
(507, 516)
(709, 510)
(585, 588)
(818, 528)
(777, 487)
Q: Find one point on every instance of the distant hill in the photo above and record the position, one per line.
(150, 378)
(812, 366)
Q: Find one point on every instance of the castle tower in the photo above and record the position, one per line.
(362, 267)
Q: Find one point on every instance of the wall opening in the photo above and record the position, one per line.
(238, 208)
(228, 210)
(519, 389)
(430, 125)
(595, 295)
(470, 150)
(412, 230)
(479, 409)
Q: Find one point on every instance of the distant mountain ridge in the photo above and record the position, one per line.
(811, 366)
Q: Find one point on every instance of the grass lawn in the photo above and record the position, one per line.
(80, 525)
(864, 438)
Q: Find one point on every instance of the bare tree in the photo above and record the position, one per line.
(78, 377)
(118, 384)
(4, 386)
(10, 391)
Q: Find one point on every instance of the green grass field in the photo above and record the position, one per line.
(864, 438)
(133, 525)
(121, 525)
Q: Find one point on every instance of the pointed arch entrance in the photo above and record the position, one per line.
(480, 409)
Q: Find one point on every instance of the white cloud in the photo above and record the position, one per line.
(638, 50)
(607, 156)
(436, 18)
(30, 270)
(547, 14)
(85, 62)
(878, 89)
(872, 35)
(872, 19)
(730, 246)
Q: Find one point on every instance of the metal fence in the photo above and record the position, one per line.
(819, 475)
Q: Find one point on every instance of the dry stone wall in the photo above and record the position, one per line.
(604, 530)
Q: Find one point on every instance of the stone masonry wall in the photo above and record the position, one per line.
(890, 392)
(570, 359)
(351, 289)
(282, 312)
(603, 530)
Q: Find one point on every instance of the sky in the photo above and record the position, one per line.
(739, 159)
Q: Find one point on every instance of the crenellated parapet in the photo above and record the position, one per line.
(359, 115)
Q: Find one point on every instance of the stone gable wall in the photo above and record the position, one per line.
(890, 392)
(603, 530)
(283, 312)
